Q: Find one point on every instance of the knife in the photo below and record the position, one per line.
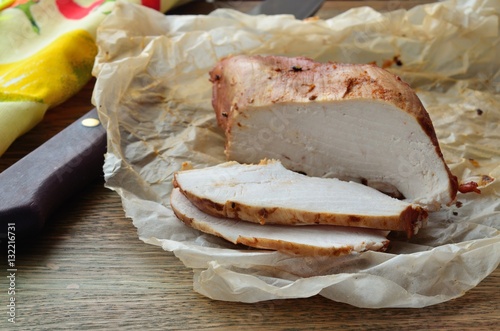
(33, 188)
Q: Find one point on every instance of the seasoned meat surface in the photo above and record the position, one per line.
(314, 240)
(353, 122)
(268, 193)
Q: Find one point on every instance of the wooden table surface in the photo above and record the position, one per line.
(89, 270)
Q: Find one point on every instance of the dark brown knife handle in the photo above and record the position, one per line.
(32, 188)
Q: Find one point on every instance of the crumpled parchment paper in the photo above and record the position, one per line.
(154, 98)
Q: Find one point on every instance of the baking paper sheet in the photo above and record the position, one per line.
(154, 98)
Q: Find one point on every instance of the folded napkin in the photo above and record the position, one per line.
(47, 51)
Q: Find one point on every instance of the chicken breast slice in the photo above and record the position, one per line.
(353, 122)
(268, 193)
(312, 240)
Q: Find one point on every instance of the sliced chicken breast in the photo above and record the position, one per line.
(353, 122)
(313, 240)
(268, 193)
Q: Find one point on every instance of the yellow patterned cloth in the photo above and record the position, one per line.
(47, 51)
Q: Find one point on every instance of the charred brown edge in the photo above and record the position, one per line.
(189, 221)
(205, 205)
(279, 245)
(300, 249)
(410, 218)
(294, 248)
(231, 210)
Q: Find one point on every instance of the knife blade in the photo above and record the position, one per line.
(35, 186)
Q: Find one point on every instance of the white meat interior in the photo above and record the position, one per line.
(273, 186)
(349, 139)
(315, 239)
